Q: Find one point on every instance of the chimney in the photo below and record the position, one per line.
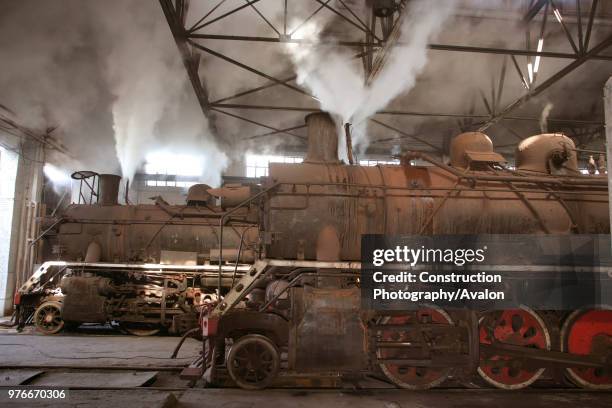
(108, 189)
(322, 139)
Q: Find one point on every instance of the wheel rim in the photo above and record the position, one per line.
(518, 327)
(48, 318)
(253, 362)
(410, 377)
(588, 332)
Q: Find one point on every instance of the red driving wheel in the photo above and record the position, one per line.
(589, 332)
(518, 327)
(414, 378)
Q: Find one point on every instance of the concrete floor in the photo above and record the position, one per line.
(105, 348)
(232, 398)
(85, 348)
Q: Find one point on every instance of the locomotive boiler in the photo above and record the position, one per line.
(278, 264)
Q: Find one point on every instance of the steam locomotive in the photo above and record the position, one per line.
(269, 274)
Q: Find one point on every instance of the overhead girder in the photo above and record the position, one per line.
(189, 42)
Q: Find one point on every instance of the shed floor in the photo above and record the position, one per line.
(106, 349)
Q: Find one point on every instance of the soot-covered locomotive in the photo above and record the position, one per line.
(272, 277)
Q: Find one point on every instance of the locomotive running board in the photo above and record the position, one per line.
(244, 285)
(204, 270)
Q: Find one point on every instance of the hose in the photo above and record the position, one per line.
(180, 343)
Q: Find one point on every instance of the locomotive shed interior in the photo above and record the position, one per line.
(184, 187)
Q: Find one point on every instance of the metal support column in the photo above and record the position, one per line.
(608, 114)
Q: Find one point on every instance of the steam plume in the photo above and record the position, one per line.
(544, 117)
(110, 79)
(336, 80)
(148, 81)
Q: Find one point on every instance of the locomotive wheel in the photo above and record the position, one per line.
(140, 329)
(409, 377)
(589, 332)
(253, 362)
(48, 317)
(518, 327)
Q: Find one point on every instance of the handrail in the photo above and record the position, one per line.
(42, 234)
(298, 278)
(222, 224)
(239, 252)
(573, 181)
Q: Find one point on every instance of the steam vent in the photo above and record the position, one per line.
(261, 203)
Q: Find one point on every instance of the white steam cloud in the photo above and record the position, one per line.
(336, 78)
(149, 82)
(544, 117)
(109, 77)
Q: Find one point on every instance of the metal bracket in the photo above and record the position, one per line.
(241, 289)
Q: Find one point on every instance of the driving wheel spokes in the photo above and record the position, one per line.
(517, 327)
(589, 332)
(48, 317)
(401, 374)
(253, 362)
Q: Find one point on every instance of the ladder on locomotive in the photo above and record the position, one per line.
(241, 288)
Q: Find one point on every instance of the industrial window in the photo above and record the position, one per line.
(163, 169)
(369, 162)
(257, 164)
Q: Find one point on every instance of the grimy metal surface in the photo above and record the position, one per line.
(141, 232)
(439, 199)
(320, 317)
(313, 221)
(302, 200)
(299, 204)
(303, 228)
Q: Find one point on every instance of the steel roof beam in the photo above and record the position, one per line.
(550, 81)
(229, 13)
(286, 40)
(248, 68)
(492, 50)
(256, 123)
(253, 90)
(365, 29)
(191, 60)
(394, 112)
(306, 20)
(277, 132)
(587, 36)
(404, 134)
(534, 10)
(206, 15)
(436, 47)
(264, 18)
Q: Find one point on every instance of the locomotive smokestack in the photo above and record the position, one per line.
(109, 189)
(322, 139)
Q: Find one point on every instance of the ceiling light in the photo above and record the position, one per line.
(536, 65)
(530, 70)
